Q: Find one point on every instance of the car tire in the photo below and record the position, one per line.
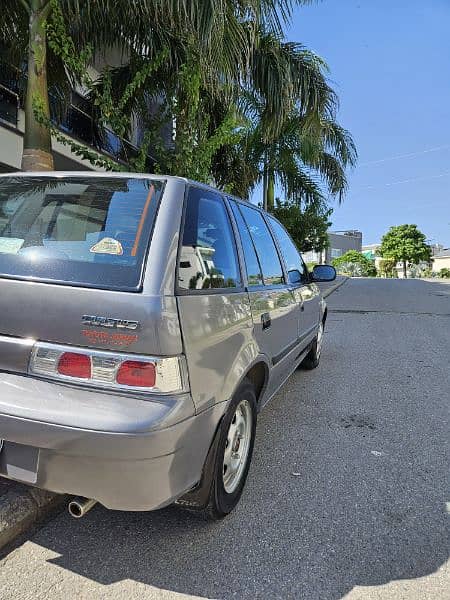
(234, 453)
(312, 359)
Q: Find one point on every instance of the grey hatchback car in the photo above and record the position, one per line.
(144, 322)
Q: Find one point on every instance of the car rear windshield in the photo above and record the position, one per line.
(78, 230)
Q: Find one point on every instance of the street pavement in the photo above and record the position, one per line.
(346, 497)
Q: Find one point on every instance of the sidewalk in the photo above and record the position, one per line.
(21, 506)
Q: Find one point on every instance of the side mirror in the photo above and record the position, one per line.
(294, 276)
(323, 273)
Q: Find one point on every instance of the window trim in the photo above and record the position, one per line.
(179, 291)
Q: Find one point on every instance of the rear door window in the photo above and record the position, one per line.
(264, 245)
(208, 257)
(291, 255)
(254, 275)
(79, 230)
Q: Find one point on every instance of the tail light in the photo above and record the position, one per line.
(137, 374)
(116, 371)
(72, 364)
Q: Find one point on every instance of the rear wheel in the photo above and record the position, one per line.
(234, 453)
(312, 359)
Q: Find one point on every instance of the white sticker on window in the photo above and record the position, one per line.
(10, 245)
(107, 246)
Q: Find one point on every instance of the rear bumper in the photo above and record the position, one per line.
(142, 465)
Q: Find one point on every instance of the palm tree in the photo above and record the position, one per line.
(291, 136)
(223, 30)
(18, 16)
(306, 158)
(274, 91)
(307, 155)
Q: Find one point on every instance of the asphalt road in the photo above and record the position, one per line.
(346, 495)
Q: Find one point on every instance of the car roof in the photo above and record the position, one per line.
(107, 174)
(126, 175)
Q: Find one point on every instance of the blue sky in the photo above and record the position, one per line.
(390, 64)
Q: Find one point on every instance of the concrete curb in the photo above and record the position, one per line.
(23, 506)
(334, 287)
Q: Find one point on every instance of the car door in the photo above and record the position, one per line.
(213, 305)
(306, 292)
(273, 304)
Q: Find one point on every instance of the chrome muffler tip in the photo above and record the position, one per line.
(79, 506)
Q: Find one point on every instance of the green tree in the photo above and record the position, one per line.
(405, 244)
(223, 33)
(308, 227)
(386, 267)
(226, 120)
(355, 263)
(294, 142)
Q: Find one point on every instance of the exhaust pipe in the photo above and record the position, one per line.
(79, 506)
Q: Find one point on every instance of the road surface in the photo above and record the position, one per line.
(346, 496)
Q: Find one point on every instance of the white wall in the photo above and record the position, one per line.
(11, 144)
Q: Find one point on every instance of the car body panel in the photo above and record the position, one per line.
(53, 313)
(124, 471)
(308, 297)
(218, 343)
(276, 340)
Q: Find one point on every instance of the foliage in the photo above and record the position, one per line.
(406, 244)
(386, 267)
(295, 143)
(246, 105)
(444, 272)
(307, 227)
(112, 111)
(354, 263)
(196, 137)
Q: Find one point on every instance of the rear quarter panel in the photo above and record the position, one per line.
(217, 332)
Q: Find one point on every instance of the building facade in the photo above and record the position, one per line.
(78, 124)
(339, 242)
(441, 260)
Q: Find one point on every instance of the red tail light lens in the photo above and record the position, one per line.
(73, 364)
(137, 374)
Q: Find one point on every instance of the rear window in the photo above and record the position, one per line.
(85, 231)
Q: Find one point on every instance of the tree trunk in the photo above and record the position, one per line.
(37, 143)
(405, 274)
(270, 191)
(265, 182)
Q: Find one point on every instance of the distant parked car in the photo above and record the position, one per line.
(144, 322)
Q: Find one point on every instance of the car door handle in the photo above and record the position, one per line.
(266, 320)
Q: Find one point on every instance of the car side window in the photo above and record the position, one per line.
(254, 275)
(264, 245)
(291, 255)
(208, 257)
